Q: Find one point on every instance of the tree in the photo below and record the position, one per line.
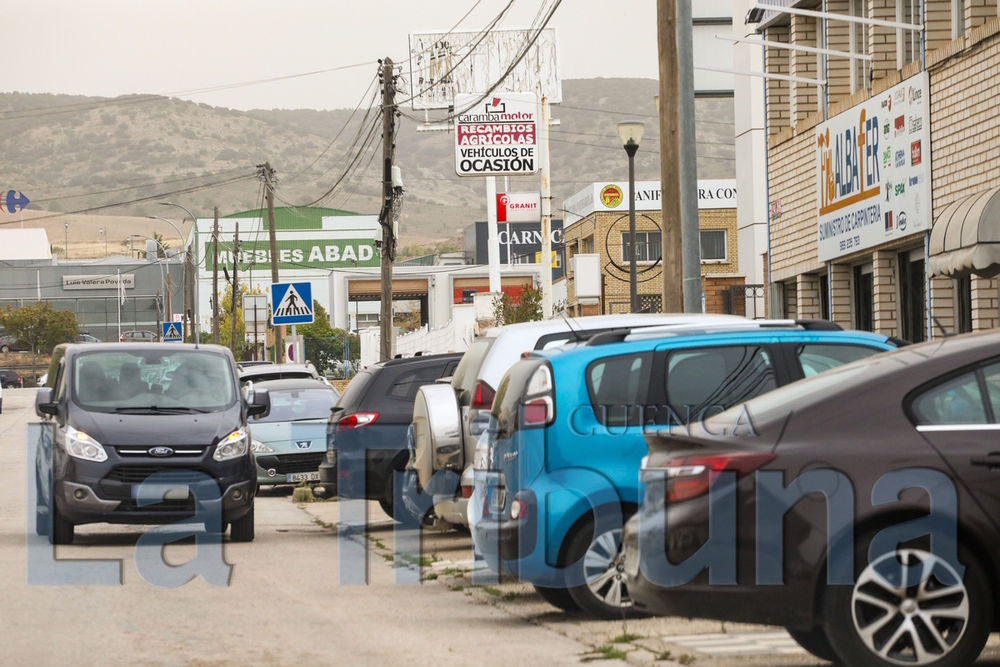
(163, 245)
(527, 308)
(40, 326)
(324, 344)
(226, 320)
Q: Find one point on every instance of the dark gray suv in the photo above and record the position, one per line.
(119, 415)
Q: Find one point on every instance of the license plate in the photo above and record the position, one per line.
(498, 498)
(163, 491)
(303, 476)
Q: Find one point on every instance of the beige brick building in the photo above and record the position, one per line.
(597, 223)
(863, 249)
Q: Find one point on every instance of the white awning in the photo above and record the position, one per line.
(965, 239)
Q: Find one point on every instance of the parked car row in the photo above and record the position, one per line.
(837, 483)
(673, 468)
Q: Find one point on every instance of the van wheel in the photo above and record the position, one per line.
(62, 528)
(41, 522)
(387, 506)
(605, 595)
(558, 597)
(886, 620)
(242, 530)
(815, 642)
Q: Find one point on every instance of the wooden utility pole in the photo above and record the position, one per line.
(279, 332)
(215, 279)
(184, 289)
(670, 178)
(387, 218)
(236, 286)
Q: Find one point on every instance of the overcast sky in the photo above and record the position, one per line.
(115, 47)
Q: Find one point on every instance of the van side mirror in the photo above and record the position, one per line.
(260, 404)
(44, 407)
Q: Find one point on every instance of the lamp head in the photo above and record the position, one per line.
(630, 132)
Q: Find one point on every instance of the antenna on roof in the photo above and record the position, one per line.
(944, 332)
(573, 331)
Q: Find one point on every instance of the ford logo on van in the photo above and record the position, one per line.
(161, 451)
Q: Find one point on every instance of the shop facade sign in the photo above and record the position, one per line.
(873, 171)
(107, 281)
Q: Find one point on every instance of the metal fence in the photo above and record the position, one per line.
(745, 300)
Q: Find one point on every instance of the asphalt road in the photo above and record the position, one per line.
(284, 606)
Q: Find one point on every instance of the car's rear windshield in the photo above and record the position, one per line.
(276, 375)
(467, 371)
(355, 391)
(152, 380)
(299, 404)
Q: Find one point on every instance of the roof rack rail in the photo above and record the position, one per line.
(819, 325)
(606, 337)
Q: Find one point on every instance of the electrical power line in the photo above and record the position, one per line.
(161, 195)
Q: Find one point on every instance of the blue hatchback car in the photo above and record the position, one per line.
(561, 473)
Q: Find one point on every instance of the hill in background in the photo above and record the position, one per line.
(71, 153)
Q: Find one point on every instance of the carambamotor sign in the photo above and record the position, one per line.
(496, 136)
(873, 171)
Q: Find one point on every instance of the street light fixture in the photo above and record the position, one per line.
(630, 132)
(101, 232)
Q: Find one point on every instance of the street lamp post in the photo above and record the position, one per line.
(66, 253)
(630, 132)
(183, 254)
(102, 233)
(164, 281)
(194, 306)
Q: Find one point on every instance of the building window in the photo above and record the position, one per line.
(912, 311)
(824, 296)
(907, 41)
(588, 246)
(957, 18)
(860, 69)
(963, 305)
(713, 245)
(864, 298)
(647, 246)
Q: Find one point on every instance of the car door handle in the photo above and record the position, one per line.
(991, 460)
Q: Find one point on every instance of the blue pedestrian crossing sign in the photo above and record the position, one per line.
(291, 303)
(171, 332)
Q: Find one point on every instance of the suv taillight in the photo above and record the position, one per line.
(482, 396)
(690, 477)
(539, 402)
(357, 420)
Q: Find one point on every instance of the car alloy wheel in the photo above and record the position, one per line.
(910, 623)
(604, 570)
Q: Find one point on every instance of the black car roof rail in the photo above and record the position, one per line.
(819, 325)
(606, 337)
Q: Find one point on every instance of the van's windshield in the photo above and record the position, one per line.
(147, 381)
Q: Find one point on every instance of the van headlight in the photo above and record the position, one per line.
(259, 447)
(232, 446)
(82, 446)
